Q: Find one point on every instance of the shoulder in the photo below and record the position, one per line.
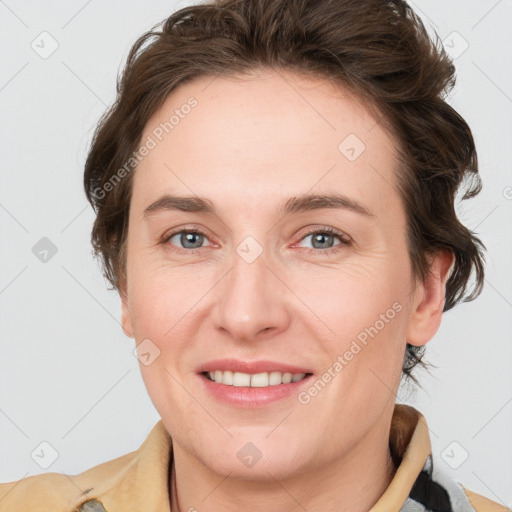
(483, 504)
(59, 492)
(35, 493)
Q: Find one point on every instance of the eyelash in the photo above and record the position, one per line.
(344, 241)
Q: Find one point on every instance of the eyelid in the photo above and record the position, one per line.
(344, 239)
(325, 229)
(187, 229)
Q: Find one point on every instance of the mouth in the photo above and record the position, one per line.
(252, 384)
(255, 380)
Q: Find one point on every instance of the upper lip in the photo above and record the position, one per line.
(237, 365)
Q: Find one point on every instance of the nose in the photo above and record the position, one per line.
(254, 303)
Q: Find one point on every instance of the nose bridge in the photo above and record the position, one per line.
(251, 298)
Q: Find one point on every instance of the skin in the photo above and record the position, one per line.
(248, 146)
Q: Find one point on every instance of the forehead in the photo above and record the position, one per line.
(270, 135)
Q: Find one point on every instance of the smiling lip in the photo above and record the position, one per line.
(251, 397)
(236, 365)
(248, 397)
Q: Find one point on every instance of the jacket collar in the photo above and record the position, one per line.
(139, 480)
(409, 442)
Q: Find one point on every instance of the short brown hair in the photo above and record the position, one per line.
(379, 49)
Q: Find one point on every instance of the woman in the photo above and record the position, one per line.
(274, 190)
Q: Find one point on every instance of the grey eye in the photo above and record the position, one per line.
(188, 239)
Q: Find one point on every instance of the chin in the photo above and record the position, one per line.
(258, 461)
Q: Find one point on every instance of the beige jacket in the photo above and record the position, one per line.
(138, 481)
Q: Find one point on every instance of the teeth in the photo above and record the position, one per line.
(274, 378)
(256, 380)
(239, 379)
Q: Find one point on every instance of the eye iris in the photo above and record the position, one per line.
(322, 237)
(189, 237)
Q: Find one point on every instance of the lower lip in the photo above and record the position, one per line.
(248, 397)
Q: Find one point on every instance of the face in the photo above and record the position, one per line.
(320, 285)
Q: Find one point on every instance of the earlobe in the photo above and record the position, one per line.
(429, 300)
(126, 320)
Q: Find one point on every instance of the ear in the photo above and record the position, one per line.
(429, 300)
(126, 319)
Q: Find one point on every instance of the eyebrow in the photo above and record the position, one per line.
(302, 203)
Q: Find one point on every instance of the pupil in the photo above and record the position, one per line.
(188, 237)
(319, 238)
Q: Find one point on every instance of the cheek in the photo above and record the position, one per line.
(163, 300)
(360, 316)
(348, 298)
(162, 310)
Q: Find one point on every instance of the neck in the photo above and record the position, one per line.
(352, 483)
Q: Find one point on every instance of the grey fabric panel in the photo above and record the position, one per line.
(412, 506)
(436, 491)
(92, 506)
(460, 501)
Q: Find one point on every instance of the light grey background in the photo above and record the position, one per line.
(68, 374)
